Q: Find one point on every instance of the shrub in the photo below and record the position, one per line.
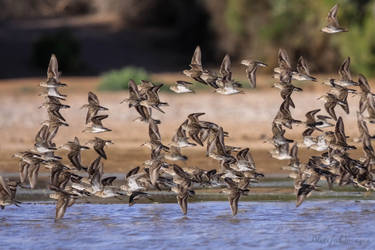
(359, 44)
(118, 79)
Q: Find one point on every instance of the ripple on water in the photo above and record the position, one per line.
(275, 225)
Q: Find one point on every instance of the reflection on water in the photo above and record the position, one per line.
(271, 225)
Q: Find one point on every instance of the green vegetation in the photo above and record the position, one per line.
(359, 44)
(234, 16)
(256, 29)
(118, 79)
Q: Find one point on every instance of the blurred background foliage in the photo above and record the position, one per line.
(163, 33)
(119, 79)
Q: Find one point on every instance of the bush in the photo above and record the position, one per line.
(118, 79)
(359, 44)
(64, 45)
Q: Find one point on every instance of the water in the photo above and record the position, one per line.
(209, 225)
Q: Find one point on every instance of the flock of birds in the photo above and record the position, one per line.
(237, 167)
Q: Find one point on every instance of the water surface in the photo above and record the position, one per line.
(209, 225)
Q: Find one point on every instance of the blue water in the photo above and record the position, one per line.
(209, 225)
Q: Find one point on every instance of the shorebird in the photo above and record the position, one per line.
(182, 187)
(362, 128)
(333, 25)
(245, 161)
(283, 60)
(53, 106)
(367, 148)
(234, 193)
(29, 166)
(311, 122)
(52, 91)
(134, 95)
(303, 72)
(74, 154)
(54, 124)
(180, 139)
(278, 137)
(196, 68)
(63, 202)
(342, 95)
(154, 172)
(53, 82)
(152, 99)
(193, 127)
(98, 144)
(200, 176)
(136, 196)
(294, 165)
(58, 183)
(145, 114)
(218, 150)
(338, 142)
(53, 73)
(320, 143)
(284, 116)
(209, 78)
(286, 91)
(345, 76)
(198, 73)
(93, 107)
(370, 109)
(43, 140)
(181, 87)
(365, 90)
(96, 125)
(251, 68)
(226, 85)
(145, 86)
(98, 186)
(305, 187)
(131, 183)
(323, 121)
(175, 154)
(281, 152)
(155, 138)
(330, 102)
(8, 193)
(284, 72)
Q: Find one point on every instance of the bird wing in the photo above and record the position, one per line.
(196, 60)
(344, 71)
(225, 68)
(332, 16)
(53, 68)
(93, 99)
(5, 186)
(302, 66)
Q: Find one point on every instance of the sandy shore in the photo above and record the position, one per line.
(247, 118)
